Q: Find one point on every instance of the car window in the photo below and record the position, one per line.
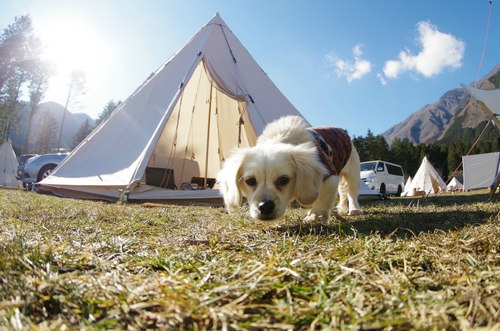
(367, 166)
(24, 158)
(394, 170)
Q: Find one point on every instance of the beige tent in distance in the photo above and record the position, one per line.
(426, 181)
(173, 133)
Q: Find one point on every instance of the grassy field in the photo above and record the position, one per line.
(406, 264)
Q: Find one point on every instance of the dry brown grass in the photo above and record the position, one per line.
(406, 264)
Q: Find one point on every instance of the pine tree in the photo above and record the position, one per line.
(380, 148)
(106, 111)
(76, 88)
(39, 84)
(455, 153)
(46, 132)
(403, 152)
(83, 131)
(18, 48)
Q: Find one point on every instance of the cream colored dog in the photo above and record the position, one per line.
(286, 165)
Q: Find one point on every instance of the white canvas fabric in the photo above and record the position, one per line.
(408, 183)
(8, 165)
(489, 100)
(207, 98)
(426, 181)
(480, 170)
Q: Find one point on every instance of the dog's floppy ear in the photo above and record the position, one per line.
(310, 173)
(228, 179)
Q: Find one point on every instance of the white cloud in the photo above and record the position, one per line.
(351, 70)
(438, 51)
(383, 81)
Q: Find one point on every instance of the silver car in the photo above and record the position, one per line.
(40, 166)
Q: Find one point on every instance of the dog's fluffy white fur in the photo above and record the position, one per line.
(285, 166)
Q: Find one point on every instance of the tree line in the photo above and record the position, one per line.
(25, 73)
(445, 157)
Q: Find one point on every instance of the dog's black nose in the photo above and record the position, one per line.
(266, 207)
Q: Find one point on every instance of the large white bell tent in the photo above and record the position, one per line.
(426, 181)
(177, 128)
(8, 165)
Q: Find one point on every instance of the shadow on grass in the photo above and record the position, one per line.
(402, 217)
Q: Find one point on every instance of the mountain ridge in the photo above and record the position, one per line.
(432, 122)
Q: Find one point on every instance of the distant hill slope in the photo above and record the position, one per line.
(445, 118)
(428, 122)
(470, 119)
(72, 123)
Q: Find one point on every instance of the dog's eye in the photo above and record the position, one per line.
(282, 181)
(251, 181)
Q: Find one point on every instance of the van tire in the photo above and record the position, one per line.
(400, 190)
(383, 191)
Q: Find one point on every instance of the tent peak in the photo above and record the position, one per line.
(216, 19)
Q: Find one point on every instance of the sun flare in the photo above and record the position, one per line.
(71, 47)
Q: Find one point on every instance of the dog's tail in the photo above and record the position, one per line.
(287, 129)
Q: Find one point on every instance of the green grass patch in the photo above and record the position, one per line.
(406, 264)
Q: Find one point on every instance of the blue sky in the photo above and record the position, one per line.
(355, 64)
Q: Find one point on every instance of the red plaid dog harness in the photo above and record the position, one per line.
(334, 147)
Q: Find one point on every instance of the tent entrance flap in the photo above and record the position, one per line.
(203, 127)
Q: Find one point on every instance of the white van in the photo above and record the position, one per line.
(384, 177)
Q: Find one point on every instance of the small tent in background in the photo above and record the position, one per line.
(177, 127)
(8, 165)
(408, 183)
(480, 170)
(426, 181)
(454, 185)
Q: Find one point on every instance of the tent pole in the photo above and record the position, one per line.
(208, 137)
(494, 186)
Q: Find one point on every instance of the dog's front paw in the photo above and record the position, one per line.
(355, 212)
(342, 210)
(314, 216)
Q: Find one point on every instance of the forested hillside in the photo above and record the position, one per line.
(453, 116)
